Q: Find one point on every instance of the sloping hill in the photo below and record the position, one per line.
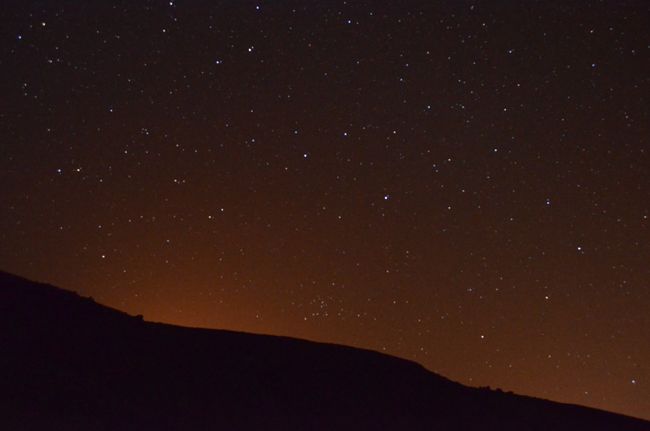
(69, 363)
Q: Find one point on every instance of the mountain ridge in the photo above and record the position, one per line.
(71, 363)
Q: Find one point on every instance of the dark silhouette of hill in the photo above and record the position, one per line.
(68, 363)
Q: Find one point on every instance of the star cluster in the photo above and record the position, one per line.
(464, 184)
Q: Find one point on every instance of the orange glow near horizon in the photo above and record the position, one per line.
(465, 187)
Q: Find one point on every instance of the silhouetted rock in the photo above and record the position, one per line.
(68, 363)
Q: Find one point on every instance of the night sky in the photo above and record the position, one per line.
(464, 184)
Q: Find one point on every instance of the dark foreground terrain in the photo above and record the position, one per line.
(68, 363)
